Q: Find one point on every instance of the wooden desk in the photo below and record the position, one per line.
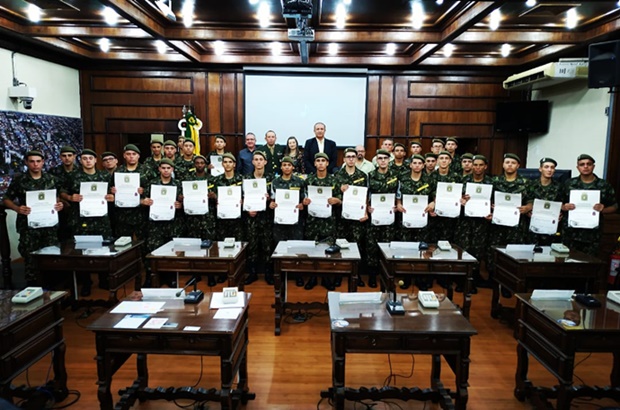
(454, 265)
(216, 260)
(116, 265)
(306, 257)
(524, 271)
(368, 328)
(27, 333)
(539, 334)
(227, 339)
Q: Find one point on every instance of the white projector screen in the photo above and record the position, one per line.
(290, 105)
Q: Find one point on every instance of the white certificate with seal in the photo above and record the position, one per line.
(126, 184)
(584, 216)
(286, 213)
(164, 197)
(354, 202)
(42, 213)
(229, 202)
(319, 207)
(382, 209)
(255, 194)
(448, 199)
(416, 215)
(545, 217)
(506, 210)
(195, 197)
(93, 201)
(479, 204)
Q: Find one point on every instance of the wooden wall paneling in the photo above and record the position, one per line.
(401, 104)
(386, 109)
(214, 104)
(372, 111)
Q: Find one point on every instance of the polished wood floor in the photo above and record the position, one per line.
(289, 371)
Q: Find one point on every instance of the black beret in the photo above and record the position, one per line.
(585, 156)
(512, 156)
(547, 159)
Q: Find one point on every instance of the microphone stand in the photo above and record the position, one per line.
(195, 296)
(393, 306)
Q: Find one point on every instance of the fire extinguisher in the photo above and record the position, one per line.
(614, 265)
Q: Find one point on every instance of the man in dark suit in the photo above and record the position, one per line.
(320, 144)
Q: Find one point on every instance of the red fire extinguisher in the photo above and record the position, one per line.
(614, 265)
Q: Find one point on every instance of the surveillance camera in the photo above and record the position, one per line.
(27, 101)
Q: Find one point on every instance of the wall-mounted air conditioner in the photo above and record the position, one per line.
(567, 69)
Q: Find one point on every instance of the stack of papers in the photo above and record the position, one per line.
(552, 294)
(227, 310)
(360, 297)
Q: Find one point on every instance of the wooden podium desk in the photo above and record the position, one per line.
(306, 257)
(225, 338)
(216, 260)
(27, 333)
(116, 265)
(524, 271)
(455, 265)
(554, 345)
(369, 328)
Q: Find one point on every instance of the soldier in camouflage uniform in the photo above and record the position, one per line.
(63, 174)
(322, 229)
(259, 226)
(200, 226)
(152, 162)
(399, 164)
(472, 232)
(84, 225)
(288, 181)
(109, 162)
(30, 238)
(442, 228)
(353, 230)
(587, 240)
(467, 164)
(414, 183)
(185, 163)
(161, 232)
(430, 162)
(130, 221)
(451, 146)
(547, 189)
(380, 181)
(219, 151)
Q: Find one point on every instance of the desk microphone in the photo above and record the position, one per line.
(194, 296)
(393, 306)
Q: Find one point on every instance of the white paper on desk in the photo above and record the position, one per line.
(319, 207)
(382, 209)
(138, 307)
(131, 322)
(218, 303)
(216, 161)
(286, 213)
(545, 217)
(448, 199)
(479, 203)
(255, 194)
(354, 202)
(415, 207)
(584, 216)
(506, 211)
(229, 202)
(126, 184)
(155, 323)
(93, 201)
(164, 197)
(516, 247)
(232, 313)
(42, 212)
(195, 197)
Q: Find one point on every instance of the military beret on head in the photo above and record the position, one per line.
(166, 161)
(415, 142)
(438, 140)
(452, 139)
(170, 143)
(202, 157)
(131, 147)
(481, 158)
(87, 151)
(547, 159)
(383, 152)
(512, 156)
(467, 155)
(444, 152)
(229, 156)
(220, 137)
(35, 153)
(417, 156)
(347, 150)
(430, 155)
(321, 155)
(288, 159)
(67, 148)
(108, 154)
(398, 144)
(585, 156)
(189, 140)
(260, 154)
(156, 142)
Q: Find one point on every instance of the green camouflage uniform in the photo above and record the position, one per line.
(472, 232)
(586, 240)
(130, 221)
(161, 232)
(352, 231)
(323, 229)
(183, 168)
(226, 228)
(551, 192)
(402, 169)
(455, 165)
(407, 186)
(286, 232)
(379, 183)
(151, 164)
(31, 239)
(200, 226)
(259, 232)
(99, 225)
(442, 228)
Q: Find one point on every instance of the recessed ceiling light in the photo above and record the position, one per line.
(332, 49)
(276, 48)
(346, 2)
(439, 2)
(341, 15)
(104, 45)
(110, 16)
(506, 50)
(390, 48)
(571, 18)
(496, 17)
(161, 47)
(264, 14)
(218, 47)
(417, 15)
(253, 2)
(448, 49)
(530, 3)
(188, 13)
(34, 13)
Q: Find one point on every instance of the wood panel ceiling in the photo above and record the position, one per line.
(71, 30)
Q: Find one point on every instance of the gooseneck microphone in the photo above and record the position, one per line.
(191, 282)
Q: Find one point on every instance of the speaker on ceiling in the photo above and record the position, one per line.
(604, 64)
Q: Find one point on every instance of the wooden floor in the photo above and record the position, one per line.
(289, 371)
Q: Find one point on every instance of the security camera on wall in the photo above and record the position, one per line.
(24, 94)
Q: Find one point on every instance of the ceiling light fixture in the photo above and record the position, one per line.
(165, 6)
(253, 2)
(341, 15)
(218, 47)
(390, 48)
(417, 15)
(34, 13)
(439, 2)
(506, 50)
(104, 45)
(161, 47)
(110, 16)
(276, 48)
(346, 2)
(530, 3)
(188, 13)
(571, 18)
(448, 49)
(496, 17)
(264, 14)
(332, 49)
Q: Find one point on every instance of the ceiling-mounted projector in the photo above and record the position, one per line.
(165, 6)
(297, 8)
